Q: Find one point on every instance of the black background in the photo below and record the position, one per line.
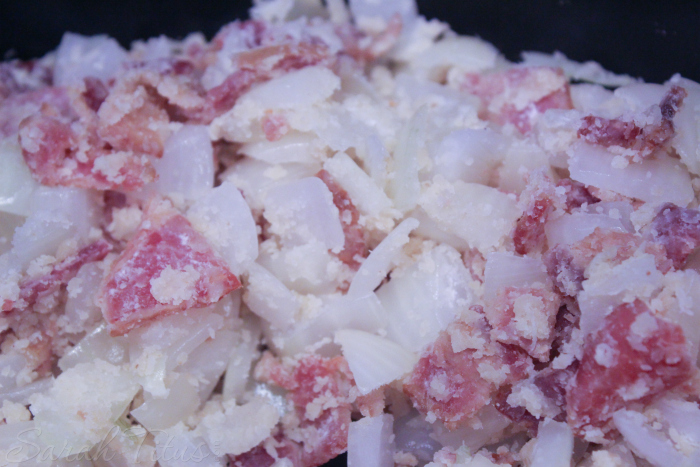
(652, 40)
(647, 39)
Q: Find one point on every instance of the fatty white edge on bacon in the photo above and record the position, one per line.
(430, 180)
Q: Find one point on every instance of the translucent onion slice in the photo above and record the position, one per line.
(374, 361)
(371, 442)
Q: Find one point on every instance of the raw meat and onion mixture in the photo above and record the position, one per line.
(345, 228)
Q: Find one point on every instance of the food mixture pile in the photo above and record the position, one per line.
(345, 228)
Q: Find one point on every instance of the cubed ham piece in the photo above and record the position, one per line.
(566, 263)
(538, 200)
(17, 107)
(634, 357)
(576, 193)
(166, 267)
(259, 65)
(677, 230)
(525, 316)
(355, 247)
(453, 383)
(33, 288)
(317, 431)
(19, 76)
(519, 95)
(640, 139)
(365, 47)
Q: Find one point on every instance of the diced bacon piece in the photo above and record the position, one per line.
(525, 316)
(518, 95)
(677, 230)
(262, 64)
(134, 132)
(565, 272)
(274, 126)
(95, 93)
(55, 155)
(537, 200)
(17, 107)
(367, 48)
(576, 193)
(18, 77)
(568, 318)
(371, 404)
(256, 457)
(355, 246)
(552, 384)
(453, 386)
(318, 387)
(166, 267)
(517, 414)
(566, 264)
(634, 357)
(33, 288)
(644, 139)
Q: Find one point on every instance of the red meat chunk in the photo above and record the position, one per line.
(678, 231)
(33, 288)
(137, 288)
(498, 92)
(355, 246)
(627, 134)
(318, 430)
(634, 357)
(453, 386)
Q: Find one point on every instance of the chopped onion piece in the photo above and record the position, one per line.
(423, 299)
(21, 394)
(375, 268)
(237, 429)
(208, 362)
(490, 426)
(160, 413)
(96, 344)
(570, 228)
(179, 447)
(507, 270)
(363, 191)
(58, 215)
(11, 366)
(554, 445)
(255, 178)
(293, 147)
(244, 353)
(269, 298)
(481, 215)
(79, 57)
(469, 155)
(404, 186)
(682, 416)
(646, 442)
(16, 182)
(656, 180)
(687, 125)
(374, 361)
(303, 210)
(337, 312)
(590, 71)
(225, 220)
(467, 54)
(371, 442)
(81, 310)
(187, 166)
